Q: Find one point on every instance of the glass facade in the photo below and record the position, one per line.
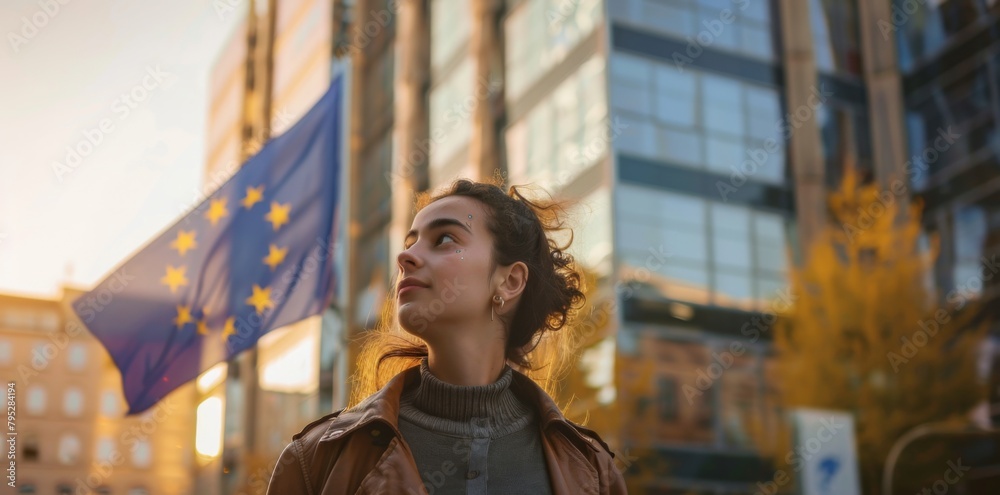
(738, 26)
(951, 93)
(564, 133)
(453, 102)
(697, 119)
(544, 32)
(717, 254)
(924, 28)
(845, 133)
(836, 42)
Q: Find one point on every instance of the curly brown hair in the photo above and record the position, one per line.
(523, 230)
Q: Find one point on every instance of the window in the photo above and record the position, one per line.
(701, 251)
(30, 448)
(835, 36)
(64, 489)
(142, 454)
(748, 30)
(540, 34)
(846, 141)
(698, 119)
(970, 234)
(77, 358)
(109, 403)
(69, 449)
(138, 491)
(666, 398)
(105, 449)
(6, 349)
(566, 132)
(450, 24)
(27, 488)
(926, 31)
(36, 400)
(73, 402)
(452, 104)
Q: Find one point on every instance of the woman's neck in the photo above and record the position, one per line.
(467, 365)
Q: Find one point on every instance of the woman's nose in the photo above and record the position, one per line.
(407, 258)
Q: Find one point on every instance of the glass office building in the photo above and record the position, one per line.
(700, 137)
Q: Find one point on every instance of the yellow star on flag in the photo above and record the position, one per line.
(275, 256)
(184, 242)
(261, 299)
(278, 215)
(183, 316)
(174, 278)
(202, 324)
(229, 328)
(254, 196)
(216, 210)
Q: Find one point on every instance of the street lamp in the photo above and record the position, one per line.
(926, 429)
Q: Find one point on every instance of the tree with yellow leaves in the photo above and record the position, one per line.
(867, 334)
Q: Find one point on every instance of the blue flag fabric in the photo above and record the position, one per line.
(254, 256)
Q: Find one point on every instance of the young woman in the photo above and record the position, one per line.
(481, 287)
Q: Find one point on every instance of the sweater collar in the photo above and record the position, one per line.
(383, 406)
(482, 410)
(463, 403)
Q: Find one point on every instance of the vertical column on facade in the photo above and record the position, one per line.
(485, 45)
(885, 101)
(804, 147)
(359, 81)
(410, 133)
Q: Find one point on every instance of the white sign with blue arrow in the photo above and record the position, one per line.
(825, 455)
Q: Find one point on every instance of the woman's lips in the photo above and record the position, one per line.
(408, 288)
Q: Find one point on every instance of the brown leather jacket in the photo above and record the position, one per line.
(360, 450)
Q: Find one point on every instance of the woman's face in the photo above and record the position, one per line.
(447, 254)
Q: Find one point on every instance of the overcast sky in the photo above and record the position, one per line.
(63, 75)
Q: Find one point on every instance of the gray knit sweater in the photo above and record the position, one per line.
(473, 440)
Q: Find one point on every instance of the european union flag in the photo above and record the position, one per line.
(254, 256)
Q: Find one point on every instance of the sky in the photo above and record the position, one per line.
(124, 83)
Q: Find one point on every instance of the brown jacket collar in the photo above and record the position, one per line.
(384, 406)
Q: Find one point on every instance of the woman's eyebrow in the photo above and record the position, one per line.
(438, 223)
